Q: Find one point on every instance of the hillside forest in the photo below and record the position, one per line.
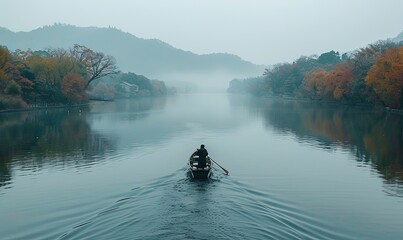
(371, 75)
(64, 77)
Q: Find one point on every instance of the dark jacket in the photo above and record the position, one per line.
(202, 153)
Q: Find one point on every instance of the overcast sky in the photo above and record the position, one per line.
(260, 31)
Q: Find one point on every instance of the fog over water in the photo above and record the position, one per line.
(117, 170)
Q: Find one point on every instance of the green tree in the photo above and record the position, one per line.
(284, 79)
(142, 82)
(13, 88)
(329, 58)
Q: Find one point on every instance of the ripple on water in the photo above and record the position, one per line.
(176, 207)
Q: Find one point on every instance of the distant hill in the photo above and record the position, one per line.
(150, 57)
(398, 38)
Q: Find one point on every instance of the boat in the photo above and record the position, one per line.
(195, 171)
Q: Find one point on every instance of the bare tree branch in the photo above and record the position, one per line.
(97, 64)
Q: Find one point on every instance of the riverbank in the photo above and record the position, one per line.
(34, 107)
(338, 103)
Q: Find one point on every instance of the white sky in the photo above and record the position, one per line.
(260, 31)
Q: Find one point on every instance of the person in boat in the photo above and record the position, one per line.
(202, 153)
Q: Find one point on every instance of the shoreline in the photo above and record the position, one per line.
(333, 103)
(42, 107)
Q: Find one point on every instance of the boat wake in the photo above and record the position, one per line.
(178, 207)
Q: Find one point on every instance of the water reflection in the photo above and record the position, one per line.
(5, 174)
(130, 105)
(373, 137)
(32, 140)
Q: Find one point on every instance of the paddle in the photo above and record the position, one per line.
(225, 170)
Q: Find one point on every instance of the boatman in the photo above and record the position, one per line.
(202, 153)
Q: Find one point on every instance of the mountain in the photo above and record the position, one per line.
(398, 38)
(150, 57)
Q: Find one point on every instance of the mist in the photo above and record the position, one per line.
(200, 82)
(263, 32)
(103, 103)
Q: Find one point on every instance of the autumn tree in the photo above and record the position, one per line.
(362, 60)
(330, 85)
(10, 81)
(103, 91)
(49, 69)
(340, 79)
(96, 64)
(314, 83)
(386, 77)
(5, 64)
(44, 69)
(159, 87)
(73, 88)
(47, 78)
(287, 78)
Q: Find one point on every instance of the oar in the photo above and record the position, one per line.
(225, 170)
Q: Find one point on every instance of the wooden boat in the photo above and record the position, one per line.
(195, 171)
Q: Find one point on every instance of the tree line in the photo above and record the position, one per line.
(112, 87)
(54, 76)
(370, 75)
(59, 76)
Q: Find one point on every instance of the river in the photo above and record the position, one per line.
(117, 170)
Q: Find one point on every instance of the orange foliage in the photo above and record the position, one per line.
(73, 88)
(5, 63)
(314, 82)
(332, 85)
(340, 78)
(386, 77)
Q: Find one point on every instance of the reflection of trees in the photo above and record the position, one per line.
(138, 105)
(5, 175)
(48, 138)
(372, 136)
(384, 142)
(61, 137)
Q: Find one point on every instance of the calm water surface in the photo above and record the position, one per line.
(117, 170)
